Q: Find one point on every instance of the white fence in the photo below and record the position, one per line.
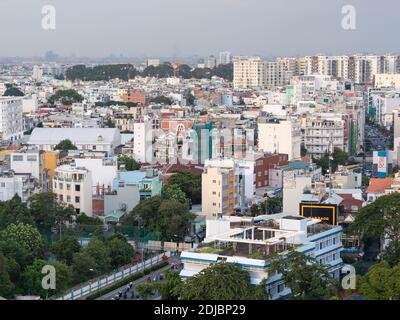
(105, 281)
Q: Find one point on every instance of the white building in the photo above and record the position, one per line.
(241, 241)
(11, 121)
(279, 136)
(324, 131)
(103, 171)
(248, 72)
(225, 57)
(142, 141)
(219, 188)
(85, 139)
(73, 186)
(11, 184)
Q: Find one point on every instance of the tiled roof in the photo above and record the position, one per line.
(379, 185)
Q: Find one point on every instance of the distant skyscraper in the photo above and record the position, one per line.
(37, 73)
(248, 72)
(211, 62)
(225, 57)
(152, 62)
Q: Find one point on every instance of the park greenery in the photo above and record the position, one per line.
(66, 97)
(12, 91)
(164, 70)
(25, 246)
(168, 217)
(189, 183)
(102, 72)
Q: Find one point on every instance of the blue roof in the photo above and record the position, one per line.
(130, 177)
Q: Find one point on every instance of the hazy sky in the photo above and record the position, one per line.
(187, 27)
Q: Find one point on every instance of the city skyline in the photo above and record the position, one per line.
(273, 29)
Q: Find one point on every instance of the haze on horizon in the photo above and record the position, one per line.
(180, 28)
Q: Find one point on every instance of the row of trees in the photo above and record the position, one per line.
(12, 91)
(66, 97)
(164, 70)
(102, 72)
(25, 248)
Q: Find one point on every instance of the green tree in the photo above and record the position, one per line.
(221, 281)
(168, 287)
(48, 212)
(162, 100)
(24, 235)
(128, 162)
(120, 251)
(184, 71)
(173, 192)
(189, 183)
(83, 219)
(174, 220)
(66, 248)
(274, 204)
(13, 92)
(255, 210)
(6, 286)
(100, 252)
(66, 97)
(11, 249)
(32, 278)
(391, 253)
(146, 212)
(382, 217)
(380, 282)
(304, 276)
(84, 267)
(65, 145)
(145, 290)
(102, 72)
(14, 211)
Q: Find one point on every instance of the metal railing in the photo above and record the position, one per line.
(105, 281)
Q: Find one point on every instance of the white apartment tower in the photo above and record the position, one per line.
(142, 141)
(279, 136)
(219, 189)
(11, 128)
(225, 57)
(324, 131)
(248, 72)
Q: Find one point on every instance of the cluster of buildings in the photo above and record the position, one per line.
(252, 140)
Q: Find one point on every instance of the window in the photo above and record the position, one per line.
(68, 186)
(31, 158)
(60, 186)
(3, 184)
(68, 198)
(77, 187)
(77, 199)
(18, 158)
(214, 181)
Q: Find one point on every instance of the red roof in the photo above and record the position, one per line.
(379, 185)
(348, 200)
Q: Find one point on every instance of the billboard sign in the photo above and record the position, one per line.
(325, 212)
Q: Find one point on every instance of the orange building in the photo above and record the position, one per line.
(135, 97)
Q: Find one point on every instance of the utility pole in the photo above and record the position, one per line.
(330, 157)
